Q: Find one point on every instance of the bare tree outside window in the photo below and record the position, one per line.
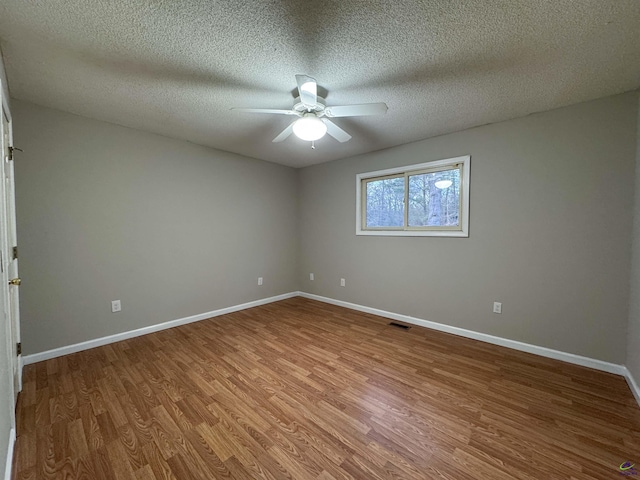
(385, 202)
(433, 201)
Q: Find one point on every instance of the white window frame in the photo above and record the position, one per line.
(458, 231)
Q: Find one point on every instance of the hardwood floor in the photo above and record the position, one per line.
(304, 390)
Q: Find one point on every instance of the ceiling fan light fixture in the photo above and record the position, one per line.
(309, 128)
(314, 115)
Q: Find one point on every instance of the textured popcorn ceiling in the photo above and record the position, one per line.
(177, 67)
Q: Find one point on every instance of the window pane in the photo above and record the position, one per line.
(434, 199)
(385, 203)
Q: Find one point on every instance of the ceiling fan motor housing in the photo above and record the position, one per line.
(318, 108)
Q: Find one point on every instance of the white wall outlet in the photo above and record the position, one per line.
(311, 277)
(116, 306)
(497, 307)
(343, 282)
(259, 280)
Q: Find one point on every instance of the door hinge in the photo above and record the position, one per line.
(11, 150)
(15, 253)
(19, 349)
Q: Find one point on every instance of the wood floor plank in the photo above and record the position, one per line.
(119, 460)
(304, 390)
(158, 465)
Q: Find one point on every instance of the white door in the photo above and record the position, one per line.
(8, 251)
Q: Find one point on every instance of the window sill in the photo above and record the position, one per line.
(413, 233)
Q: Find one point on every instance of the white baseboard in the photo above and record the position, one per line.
(10, 448)
(503, 342)
(98, 342)
(635, 389)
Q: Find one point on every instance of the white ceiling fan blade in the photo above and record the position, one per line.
(336, 132)
(284, 135)
(356, 110)
(308, 89)
(265, 110)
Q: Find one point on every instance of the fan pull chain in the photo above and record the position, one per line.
(313, 145)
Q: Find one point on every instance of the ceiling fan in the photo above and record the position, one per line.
(313, 114)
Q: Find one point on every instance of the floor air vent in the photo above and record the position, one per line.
(399, 325)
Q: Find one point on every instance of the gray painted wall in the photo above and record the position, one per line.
(550, 232)
(633, 335)
(170, 228)
(173, 229)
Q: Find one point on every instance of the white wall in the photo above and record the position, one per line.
(170, 228)
(550, 232)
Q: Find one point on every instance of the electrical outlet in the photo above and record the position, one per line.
(116, 306)
(497, 307)
(259, 280)
(311, 277)
(343, 282)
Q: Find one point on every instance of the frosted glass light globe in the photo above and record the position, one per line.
(309, 128)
